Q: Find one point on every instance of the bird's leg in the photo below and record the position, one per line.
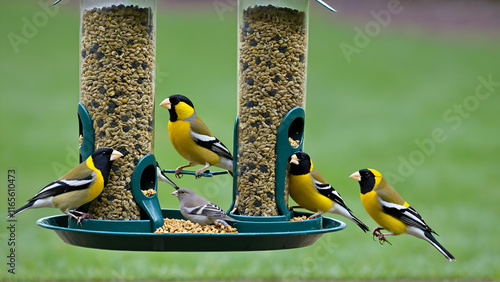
(381, 236)
(72, 215)
(221, 221)
(316, 215)
(178, 170)
(382, 239)
(197, 173)
(78, 212)
(79, 218)
(376, 232)
(85, 215)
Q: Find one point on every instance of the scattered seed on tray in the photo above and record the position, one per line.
(186, 226)
(299, 218)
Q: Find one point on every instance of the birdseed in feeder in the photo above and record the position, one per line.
(149, 192)
(272, 81)
(117, 89)
(294, 143)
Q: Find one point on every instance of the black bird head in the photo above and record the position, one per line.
(300, 163)
(178, 106)
(102, 159)
(366, 179)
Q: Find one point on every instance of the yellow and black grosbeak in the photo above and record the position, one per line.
(391, 212)
(78, 186)
(309, 189)
(192, 139)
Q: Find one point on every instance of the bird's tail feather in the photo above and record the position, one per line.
(438, 246)
(360, 224)
(25, 207)
(161, 176)
(345, 212)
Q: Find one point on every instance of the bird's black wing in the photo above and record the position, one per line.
(328, 191)
(61, 186)
(209, 210)
(407, 215)
(211, 143)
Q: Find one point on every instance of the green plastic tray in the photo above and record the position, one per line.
(136, 235)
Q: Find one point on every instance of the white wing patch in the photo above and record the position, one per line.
(211, 143)
(407, 215)
(62, 186)
(209, 209)
(202, 137)
(49, 187)
(76, 183)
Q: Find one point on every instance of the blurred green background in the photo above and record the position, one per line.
(410, 100)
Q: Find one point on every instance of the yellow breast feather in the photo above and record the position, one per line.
(371, 203)
(96, 187)
(303, 192)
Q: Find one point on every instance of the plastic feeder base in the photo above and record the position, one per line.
(251, 236)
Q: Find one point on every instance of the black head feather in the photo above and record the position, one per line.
(175, 100)
(304, 166)
(102, 161)
(367, 182)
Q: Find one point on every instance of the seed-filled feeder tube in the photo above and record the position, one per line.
(117, 71)
(272, 59)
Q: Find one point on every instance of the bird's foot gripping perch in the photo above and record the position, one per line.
(206, 173)
(81, 217)
(381, 236)
(294, 207)
(316, 215)
(179, 169)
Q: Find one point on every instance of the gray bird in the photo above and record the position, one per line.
(198, 209)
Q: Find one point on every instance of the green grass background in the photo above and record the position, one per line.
(366, 113)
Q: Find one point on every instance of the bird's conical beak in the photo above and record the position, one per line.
(294, 159)
(166, 104)
(175, 194)
(115, 155)
(356, 176)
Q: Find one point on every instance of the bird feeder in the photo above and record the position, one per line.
(116, 110)
(117, 63)
(272, 56)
